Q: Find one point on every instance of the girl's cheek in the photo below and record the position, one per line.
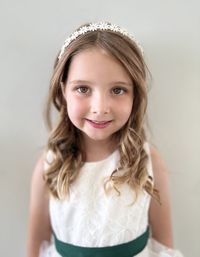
(77, 108)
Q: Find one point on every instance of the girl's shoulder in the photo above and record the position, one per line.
(48, 158)
(156, 165)
(39, 190)
(159, 169)
(153, 150)
(38, 172)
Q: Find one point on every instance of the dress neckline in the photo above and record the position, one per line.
(100, 162)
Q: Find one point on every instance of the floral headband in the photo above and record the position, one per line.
(100, 26)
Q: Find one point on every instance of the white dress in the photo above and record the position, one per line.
(92, 218)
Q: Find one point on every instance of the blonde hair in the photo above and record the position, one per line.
(64, 139)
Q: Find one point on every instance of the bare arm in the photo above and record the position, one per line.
(160, 215)
(39, 227)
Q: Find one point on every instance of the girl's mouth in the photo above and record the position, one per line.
(99, 124)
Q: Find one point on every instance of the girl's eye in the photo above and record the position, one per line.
(118, 91)
(83, 90)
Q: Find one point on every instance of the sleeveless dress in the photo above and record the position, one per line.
(90, 218)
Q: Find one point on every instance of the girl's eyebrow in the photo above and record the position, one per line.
(123, 83)
(80, 82)
(111, 83)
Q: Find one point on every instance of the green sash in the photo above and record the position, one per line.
(129, 249)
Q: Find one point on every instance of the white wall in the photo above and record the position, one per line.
(32, 33)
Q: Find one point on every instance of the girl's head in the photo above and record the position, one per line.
(99, 89)
(122, 50)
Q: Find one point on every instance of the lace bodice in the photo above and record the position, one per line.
(90, 217)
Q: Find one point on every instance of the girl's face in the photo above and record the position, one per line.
(99, 94)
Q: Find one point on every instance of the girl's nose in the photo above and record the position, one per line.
(100, 105)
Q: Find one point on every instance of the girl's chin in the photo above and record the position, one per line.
(95, 137)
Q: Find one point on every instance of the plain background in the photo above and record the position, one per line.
(32, 32)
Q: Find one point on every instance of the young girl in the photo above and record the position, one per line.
(99, 189)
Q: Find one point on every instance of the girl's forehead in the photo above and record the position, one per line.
(93, 51)
(96, 62)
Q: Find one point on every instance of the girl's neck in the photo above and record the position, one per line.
(98, 150)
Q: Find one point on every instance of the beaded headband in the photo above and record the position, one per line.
(102, 26)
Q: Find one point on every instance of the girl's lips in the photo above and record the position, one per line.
(99, 124)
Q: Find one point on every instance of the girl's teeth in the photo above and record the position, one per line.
(99, 122)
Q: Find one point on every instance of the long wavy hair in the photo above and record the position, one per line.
(64, 138)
